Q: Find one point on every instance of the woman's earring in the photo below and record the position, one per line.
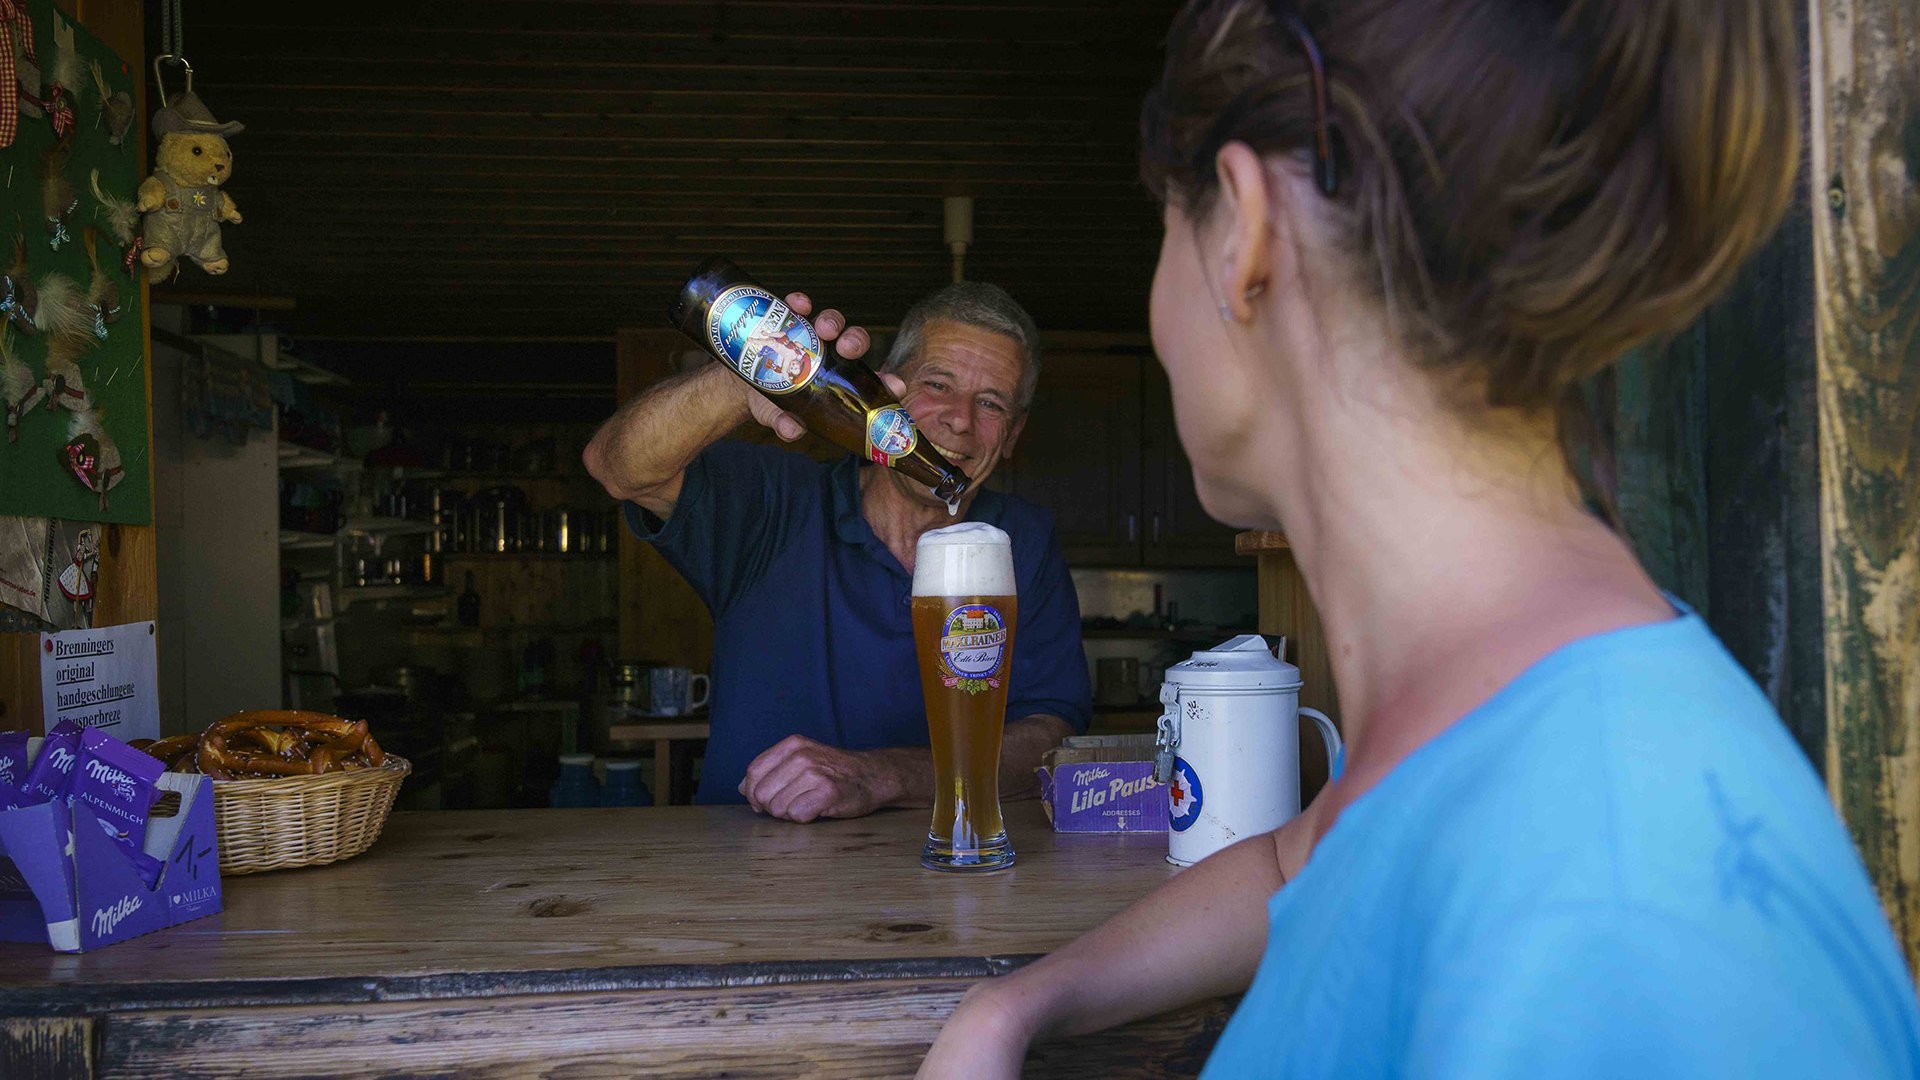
(1253, 290)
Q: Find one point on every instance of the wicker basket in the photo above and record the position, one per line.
(294, 821)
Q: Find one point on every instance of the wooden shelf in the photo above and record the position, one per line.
(572, 556)
(1255, 542)
(386, 526)
(374, 594)
(208, 298)
(295, 456)
(294, 540)
(473, 637)
(511, 474)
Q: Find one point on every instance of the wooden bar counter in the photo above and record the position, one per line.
(679, 941)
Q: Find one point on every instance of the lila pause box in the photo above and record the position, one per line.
(65, 882)
(1103, 783)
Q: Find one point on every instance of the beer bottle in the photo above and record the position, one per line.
(754, 333)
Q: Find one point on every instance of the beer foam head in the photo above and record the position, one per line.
(969, 559)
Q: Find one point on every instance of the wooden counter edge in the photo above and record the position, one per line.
(1256, 541)
(837, 1029)
(66, 999)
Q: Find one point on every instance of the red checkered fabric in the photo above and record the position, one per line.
(13, 20)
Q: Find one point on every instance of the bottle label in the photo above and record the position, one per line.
(890, 434)
(769, 345)
(973, 649)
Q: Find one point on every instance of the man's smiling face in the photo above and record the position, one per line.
(963, 393)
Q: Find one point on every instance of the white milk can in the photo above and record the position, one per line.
(1229, 746)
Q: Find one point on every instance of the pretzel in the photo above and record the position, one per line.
(271, 742)
(341, 748)
(169, 748)
(284, 742)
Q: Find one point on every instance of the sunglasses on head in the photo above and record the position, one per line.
(1325, 165)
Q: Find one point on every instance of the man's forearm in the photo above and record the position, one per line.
(1026, 741)
(1022, 744)
(641, 453)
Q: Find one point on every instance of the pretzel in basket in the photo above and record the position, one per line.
(173, 749)
(272, 742)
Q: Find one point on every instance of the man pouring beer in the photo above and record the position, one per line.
(808, 569)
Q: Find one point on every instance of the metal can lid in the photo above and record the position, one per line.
(1243, 663)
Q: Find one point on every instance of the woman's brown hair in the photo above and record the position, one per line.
(1531, 187)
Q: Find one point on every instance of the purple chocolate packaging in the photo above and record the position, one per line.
(1103, 783)
(117, 782)
(47, 777)
(13, 767)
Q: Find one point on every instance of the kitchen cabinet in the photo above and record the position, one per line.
(1080, 454)
(1176, 530)
(1100, 452)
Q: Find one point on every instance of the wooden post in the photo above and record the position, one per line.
(60, 1046)
(1865, 160)
(1286, 610)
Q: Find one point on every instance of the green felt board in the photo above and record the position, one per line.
(33, 480)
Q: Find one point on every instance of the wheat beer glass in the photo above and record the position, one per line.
(964, 609)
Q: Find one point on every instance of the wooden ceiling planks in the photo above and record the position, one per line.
(520, 168)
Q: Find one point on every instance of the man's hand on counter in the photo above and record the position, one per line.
(798, 779)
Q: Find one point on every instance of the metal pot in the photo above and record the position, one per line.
(413, 683)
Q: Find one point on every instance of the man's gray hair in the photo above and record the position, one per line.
(972, 303)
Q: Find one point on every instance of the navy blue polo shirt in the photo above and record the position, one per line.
(813, 629)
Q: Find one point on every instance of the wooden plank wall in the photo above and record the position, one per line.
(1716, 451)
(1762, 505)
(524, 167)
(1661, 434)
(1866, 240)
(128, 586)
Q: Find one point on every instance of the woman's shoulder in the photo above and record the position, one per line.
(1643, 775)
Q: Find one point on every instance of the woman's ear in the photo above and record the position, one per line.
(1247, 241)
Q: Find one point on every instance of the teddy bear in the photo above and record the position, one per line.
(182, 201)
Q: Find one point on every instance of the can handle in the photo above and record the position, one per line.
(1330, 735)
(1167, 733)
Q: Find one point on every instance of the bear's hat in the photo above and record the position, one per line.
(187, 115)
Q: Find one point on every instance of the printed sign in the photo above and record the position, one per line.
(770, 345)
(104, 678)
(973, 649)
(890, 434)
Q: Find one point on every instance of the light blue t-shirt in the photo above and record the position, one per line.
(1619, 866)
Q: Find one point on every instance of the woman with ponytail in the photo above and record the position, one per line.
(1572, 837)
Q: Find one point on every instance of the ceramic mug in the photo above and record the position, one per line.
(674, 691)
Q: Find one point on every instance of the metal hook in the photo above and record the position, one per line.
(161, 83)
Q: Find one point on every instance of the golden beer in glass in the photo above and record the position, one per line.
(964, 611)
